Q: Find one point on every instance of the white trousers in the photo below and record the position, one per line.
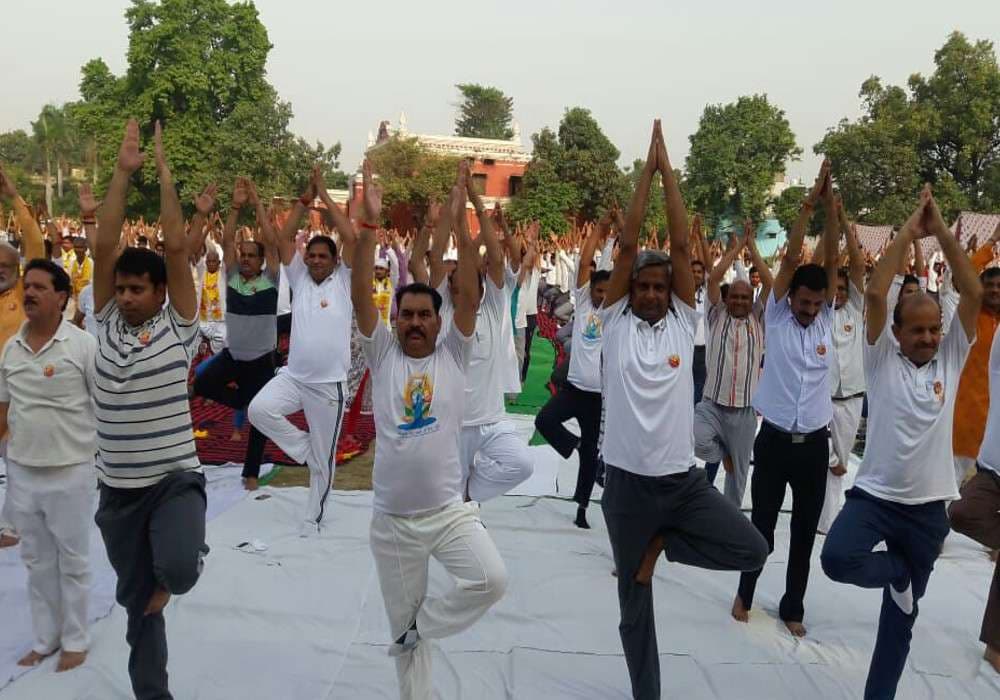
(963, 465)
(843, 432)
(52, 508)
(6, 520)
(494, 459)
(323, 405)
(402, 548)
(215, 333)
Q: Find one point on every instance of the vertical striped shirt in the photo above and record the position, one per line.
(141, 398)
(733, 353)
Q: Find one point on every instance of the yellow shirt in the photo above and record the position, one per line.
(211, 306)
(382, 294)
(11, 312)
(80, 273)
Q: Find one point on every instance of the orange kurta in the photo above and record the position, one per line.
(973, 400)
(12, 301)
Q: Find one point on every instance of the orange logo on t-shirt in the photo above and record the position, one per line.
(144, 337)
(821, 349)
(49, 370)
(323, 303)
(848, 328)
(939, 390)
(674, 361)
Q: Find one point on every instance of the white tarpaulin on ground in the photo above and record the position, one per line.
(304, 620)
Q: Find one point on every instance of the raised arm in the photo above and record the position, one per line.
(964, 274)
(466, 273)
(286, 237)
(628, 244)
(919, 265)
(855, 257)
(714, 283)
(180, 282)
(31, 234)
(876, 293)
(204, 205)
(682, 277)
(112, 214)
(241, 195)
(339, 220)
(793, 251)
(439, 245)
(417, 264)
(588, 249)
(363, 265)
(831, 241)
(763, 269)
(494, 253)
(268, 238)
(88, 215)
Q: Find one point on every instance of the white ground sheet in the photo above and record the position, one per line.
(304, 618)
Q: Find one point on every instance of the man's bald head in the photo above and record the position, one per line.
(10, 266)
(739, 299)
(912, 304)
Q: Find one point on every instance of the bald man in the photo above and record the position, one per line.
(12, 303)
(725, 422)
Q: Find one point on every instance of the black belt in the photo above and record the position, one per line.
(796, 438)
(859, 395)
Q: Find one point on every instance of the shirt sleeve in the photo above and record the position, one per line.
(295, 270)
(457, 345)
(377, 346)
(494, 299)
(688, 315)
(855, 299)
(954, 350)
(4, 391)
(188, 330)
(776, 310)
(874, 355)
(612, 316)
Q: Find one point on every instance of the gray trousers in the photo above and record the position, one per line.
(719, 431)
(700, 527)
(155, 537)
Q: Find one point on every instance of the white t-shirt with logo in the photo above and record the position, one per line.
(989, 451)
(585, 357)
(419, 405)
(647, 387)
(847, 372)
(908, 458)
(319, 349)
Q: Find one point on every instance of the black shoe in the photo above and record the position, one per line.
(581, 518)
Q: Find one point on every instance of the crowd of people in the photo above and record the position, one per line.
(677, 350)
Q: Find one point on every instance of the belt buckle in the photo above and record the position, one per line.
(798, 438)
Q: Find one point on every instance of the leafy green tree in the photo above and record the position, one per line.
(943, 129)
(410, 175)
(656, 212)
(545, 197)
(485, 112)
(736, 153)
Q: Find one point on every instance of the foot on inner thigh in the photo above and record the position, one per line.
(727, 464)
(68, 660)
(796, 628)
(157, 601)
(992, 656)
(33, 658)
(645, 573)
(739, 611)
(8, 539)
(250, 483)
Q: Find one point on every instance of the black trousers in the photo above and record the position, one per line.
(155, 537)
(250, 376)
(778, 463)
(700, 527)
(529, 333)
(585, 406)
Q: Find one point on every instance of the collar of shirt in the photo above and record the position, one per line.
(59, 335)
(640, 323)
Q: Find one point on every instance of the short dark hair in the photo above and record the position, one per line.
(599, 276)
(419, 288)
(810, 276)
(897, 311)
(325, 240)
(989, 273)
(910, 279)
(141, 239)
(48, 248)
(753, 269)
(696, 261)
(60, 280)
(258, 244)
(142, 261)
(843, 274)
(724, 291)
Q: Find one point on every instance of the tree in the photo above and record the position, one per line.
(735, 155)
(485, 112)
(943, 129)
(411, 175)
(656, 212)
(545, 197)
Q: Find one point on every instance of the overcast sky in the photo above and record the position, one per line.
(346, 65)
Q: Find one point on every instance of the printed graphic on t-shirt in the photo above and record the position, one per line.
(418, 395)
(592, 330)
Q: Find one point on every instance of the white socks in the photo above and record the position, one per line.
(904, 598)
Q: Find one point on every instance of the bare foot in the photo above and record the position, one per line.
(68, 660)
(838, 470)
(33, 658)
(645, 573)
(157, 601)
(236, 435)
(740, 612)
(727, 464)
(796, 628)
(250, 483)
(992, 656)
(8, 540)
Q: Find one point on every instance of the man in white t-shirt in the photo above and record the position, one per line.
(847, 377)
(906, 476)
(580, 396)
(977, 514)
(418, 389)
(319, 353)
(655, 498)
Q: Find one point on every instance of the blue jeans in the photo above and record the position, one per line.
(914, 535)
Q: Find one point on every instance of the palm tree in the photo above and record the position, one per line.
(55, 136)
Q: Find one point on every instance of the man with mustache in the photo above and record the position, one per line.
(152, 504)
(12, 302)
(46, 374)
(251, 323)
(906, 476)
(319, 352)
(793, 397)
(725, 423)
(418, 390)
(655, 499)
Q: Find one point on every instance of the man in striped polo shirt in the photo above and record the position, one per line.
(725, 422)
(152, 504)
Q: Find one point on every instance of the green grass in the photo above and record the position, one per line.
(534, 394)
